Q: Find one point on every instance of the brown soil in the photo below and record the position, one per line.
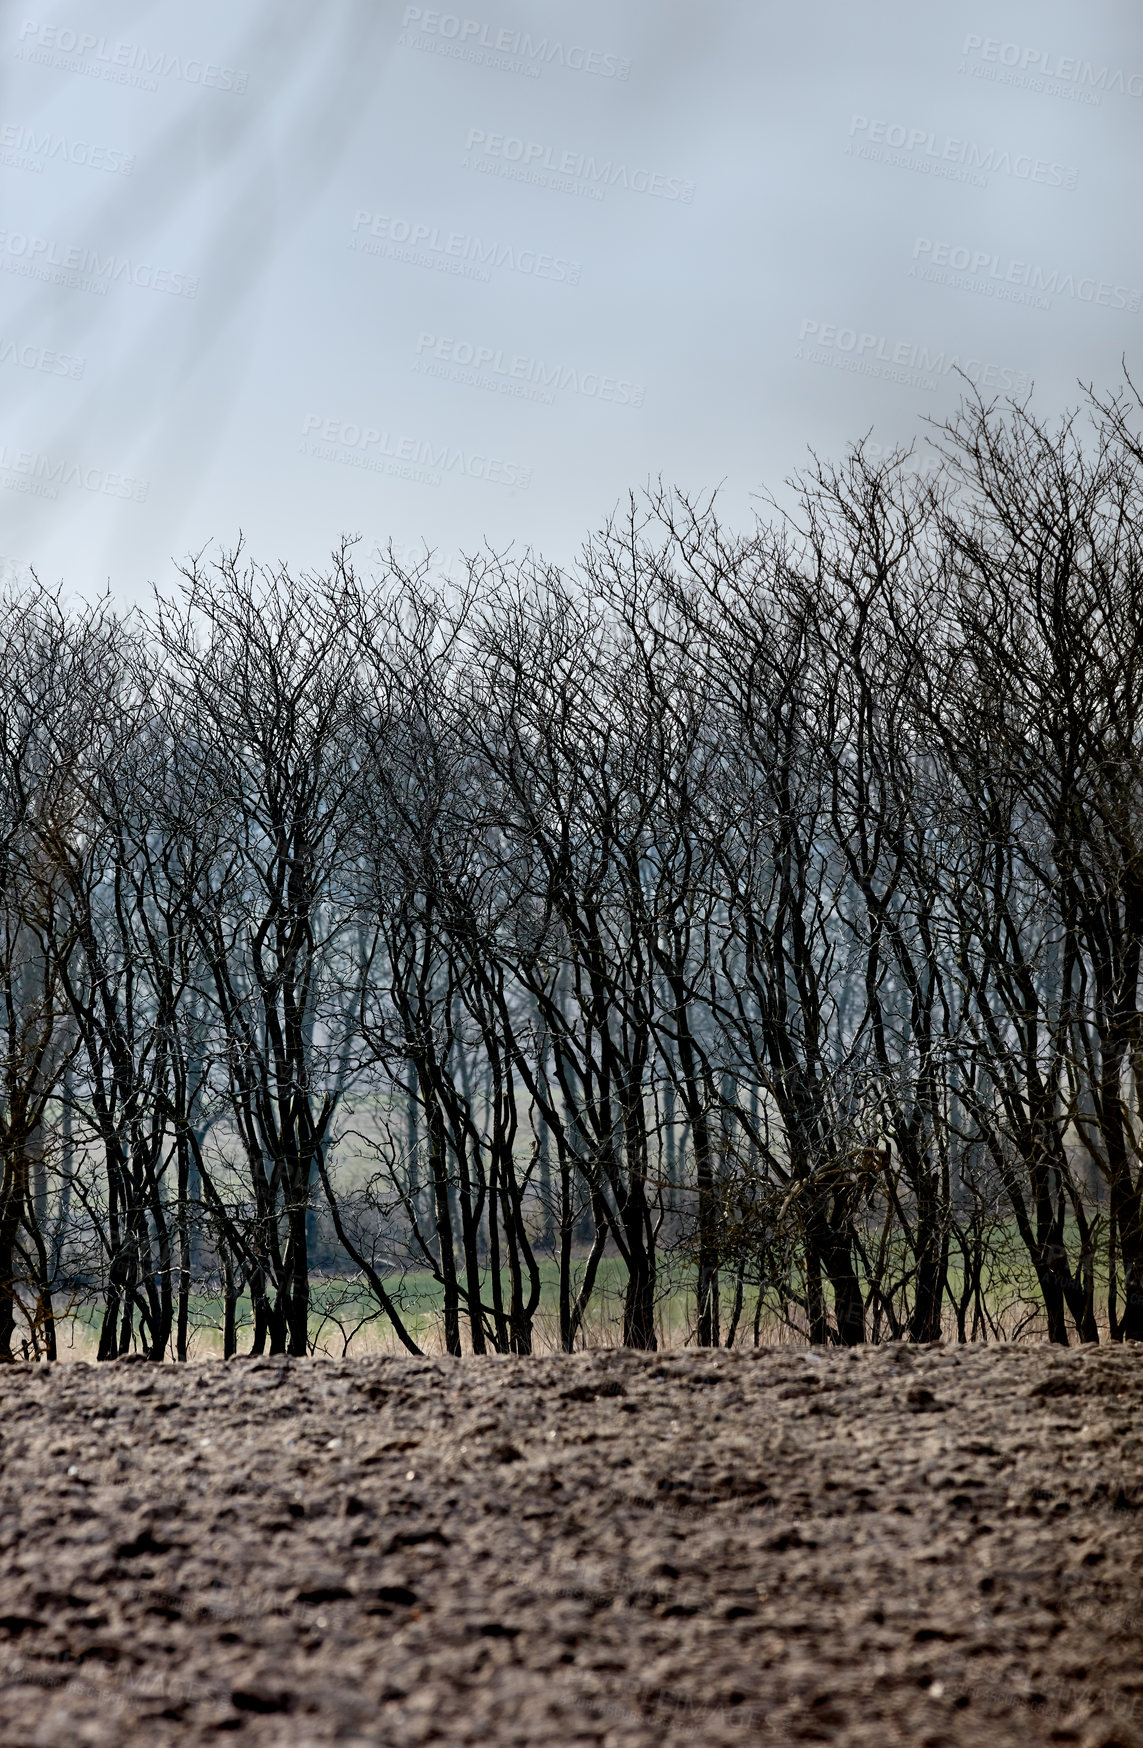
(887, 1546)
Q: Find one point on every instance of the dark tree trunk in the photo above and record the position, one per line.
(13, 1195)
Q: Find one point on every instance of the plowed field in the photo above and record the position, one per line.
(893, 1545)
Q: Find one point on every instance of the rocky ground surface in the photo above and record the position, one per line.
(886, 1546)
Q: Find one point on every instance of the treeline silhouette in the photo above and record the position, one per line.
(752, 918)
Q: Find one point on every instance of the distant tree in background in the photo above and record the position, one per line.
(750, 923)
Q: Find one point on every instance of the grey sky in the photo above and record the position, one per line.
(465, 273)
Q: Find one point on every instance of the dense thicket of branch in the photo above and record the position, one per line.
(753, 918)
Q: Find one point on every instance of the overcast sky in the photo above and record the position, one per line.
(422, 274)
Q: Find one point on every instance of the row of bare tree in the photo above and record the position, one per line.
(756, 914)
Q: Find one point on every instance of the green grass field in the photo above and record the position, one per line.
(345, 1318)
